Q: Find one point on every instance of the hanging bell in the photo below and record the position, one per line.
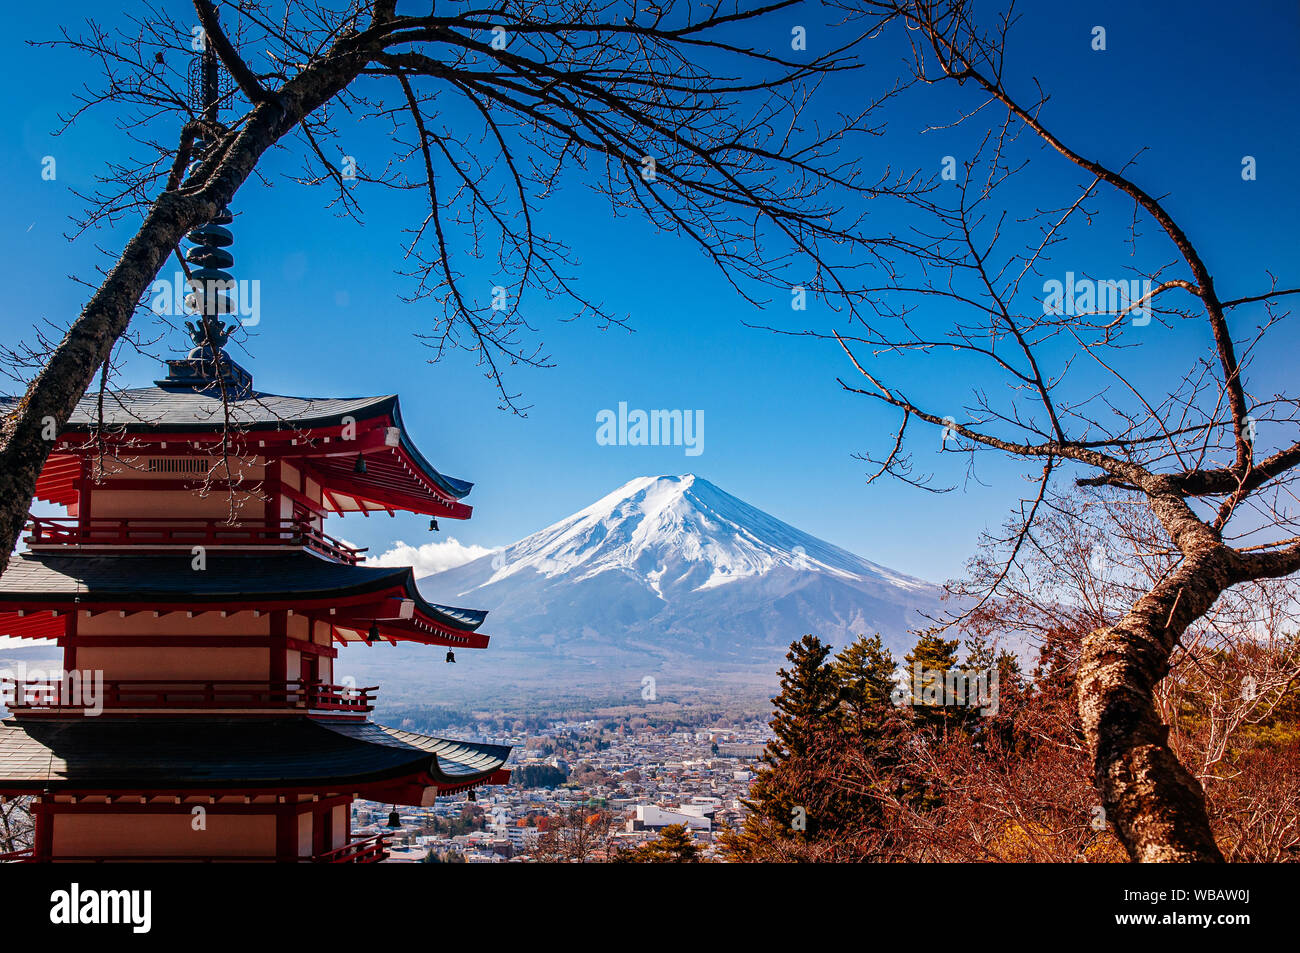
(373, 635)
(393, 819)
(433, 525)
(451, 656)
(360, 465)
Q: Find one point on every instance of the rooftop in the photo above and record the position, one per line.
(263, 753)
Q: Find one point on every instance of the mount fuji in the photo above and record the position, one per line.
(671, 571)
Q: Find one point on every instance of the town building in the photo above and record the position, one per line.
(653, 818)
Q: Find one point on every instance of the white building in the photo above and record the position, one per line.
(697, 817)
(522, 838)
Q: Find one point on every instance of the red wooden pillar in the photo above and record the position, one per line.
(69, 641)
(320, 828)
(279, 673)
(286, 833)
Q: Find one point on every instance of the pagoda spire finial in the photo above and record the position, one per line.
(207, 363)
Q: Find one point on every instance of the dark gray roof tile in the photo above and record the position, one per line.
(179, 409)
(144, 753)
(128, 578)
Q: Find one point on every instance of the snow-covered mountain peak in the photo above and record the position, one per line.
(679, 534)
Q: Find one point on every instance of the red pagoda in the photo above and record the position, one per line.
(200, 604)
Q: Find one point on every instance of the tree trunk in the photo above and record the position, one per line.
(1155, 805)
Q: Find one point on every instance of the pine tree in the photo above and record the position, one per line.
(1000, 669)
(804, 711)
(865, 670)
(839, 755)
(931, 654)
(672, 846)
(928, 665)
(809, 693)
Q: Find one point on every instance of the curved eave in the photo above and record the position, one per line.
(454, 762)
(392, 482)
(453, 617)
(423, 628)
(207, 754)
(38, 590)
(428, 624)
(397, 477)
(454, 766)
(457, 489)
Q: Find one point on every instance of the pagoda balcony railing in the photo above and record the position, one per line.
(364, 850)
(177, 532)
(48, 696)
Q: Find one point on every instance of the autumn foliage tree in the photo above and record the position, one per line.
(909, 782)
(1073, 389)
(1229, 699)
(576, 835)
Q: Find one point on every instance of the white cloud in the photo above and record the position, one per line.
(431, 557)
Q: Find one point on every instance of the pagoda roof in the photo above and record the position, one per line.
(300, 581)
(304, 428)
(133, 754)
(186, 409)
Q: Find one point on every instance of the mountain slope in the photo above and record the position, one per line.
(673, 570)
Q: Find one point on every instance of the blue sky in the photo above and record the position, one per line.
(1200, 90)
